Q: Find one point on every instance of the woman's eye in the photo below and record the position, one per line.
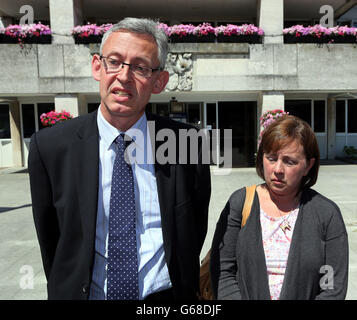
(290, 162)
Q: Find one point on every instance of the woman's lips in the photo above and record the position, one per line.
(278, 182)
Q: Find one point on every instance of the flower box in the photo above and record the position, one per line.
(44, 39)
(289, 38)
(32, 33)
(343, 39)
(320, 34)
(51, 118)
(247, 33)
(175, 38)
(90, 33)
(78, 39)
(252, 38)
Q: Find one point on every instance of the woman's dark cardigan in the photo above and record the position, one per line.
(317, 266)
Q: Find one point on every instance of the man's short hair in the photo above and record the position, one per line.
(142, 26)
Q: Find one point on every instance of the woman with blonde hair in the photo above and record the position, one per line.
(294, 244)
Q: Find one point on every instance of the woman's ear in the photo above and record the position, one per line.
(96, 67)
(161, 82)
(310, 164)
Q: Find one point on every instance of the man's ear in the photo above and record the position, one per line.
(161, 82)
(96, 67)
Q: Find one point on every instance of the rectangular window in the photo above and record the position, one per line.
(211, 115)
(340, 116)
(299, 108)
(162, 109)
(4, 122)
(352, 116)
(44, 108)
(193, 113)
(28, 119)
(319, 116)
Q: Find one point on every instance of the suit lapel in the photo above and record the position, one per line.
(86, 164)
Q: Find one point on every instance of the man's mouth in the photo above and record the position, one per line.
(120, 93)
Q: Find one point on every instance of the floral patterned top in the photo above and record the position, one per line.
(277, 234)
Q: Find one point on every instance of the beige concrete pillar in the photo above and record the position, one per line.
(271, 20)
(15, 129)
(5, 21)
(72, 103)
(82, 104)
(331, 128)
(64, 15)
(269, 101)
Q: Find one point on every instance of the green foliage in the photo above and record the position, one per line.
(350, 151)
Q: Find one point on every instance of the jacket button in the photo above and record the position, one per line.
(85, 289)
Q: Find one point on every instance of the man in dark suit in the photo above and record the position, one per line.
(71, 167)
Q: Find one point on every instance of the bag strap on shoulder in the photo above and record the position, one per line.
(249, 197)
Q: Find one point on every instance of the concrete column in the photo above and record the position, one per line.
(64, 15)
(73, 104)
(271, 19)
(15, 125)
(331, 128)
(269, 101)
(5, 21)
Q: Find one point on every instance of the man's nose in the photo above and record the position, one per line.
(124, 74)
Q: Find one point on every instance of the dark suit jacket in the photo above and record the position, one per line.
(63, 165)
(238, 266)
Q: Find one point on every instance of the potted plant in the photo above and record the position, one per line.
(268, 118)
(343, 34)
(189, 33)
(245, 33)
(350, 151)
(319, 34)
(89, 33)
(28, 33)
(51, 118)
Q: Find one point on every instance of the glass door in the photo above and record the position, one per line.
(240, 117)
(5, 137)
(314, 112)
(30, 121)
(346, 125)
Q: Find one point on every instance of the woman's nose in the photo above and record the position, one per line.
(279, 167)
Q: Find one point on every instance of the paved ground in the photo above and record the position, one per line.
(21, 273)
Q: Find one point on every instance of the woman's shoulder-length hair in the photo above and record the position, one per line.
(284, 131)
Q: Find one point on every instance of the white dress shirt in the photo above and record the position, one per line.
(153, 271)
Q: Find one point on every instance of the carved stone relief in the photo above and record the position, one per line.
(180, 69)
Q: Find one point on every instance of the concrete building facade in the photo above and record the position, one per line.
(219, 85)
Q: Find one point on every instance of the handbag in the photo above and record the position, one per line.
(206, 292)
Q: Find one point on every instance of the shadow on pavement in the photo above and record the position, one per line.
(5, 209)
(337, 162)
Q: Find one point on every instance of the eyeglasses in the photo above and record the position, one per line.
(113, 66)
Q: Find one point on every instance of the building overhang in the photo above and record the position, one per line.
(180, 10)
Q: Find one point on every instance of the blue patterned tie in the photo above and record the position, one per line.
(122, 281)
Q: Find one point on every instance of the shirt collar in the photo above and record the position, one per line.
(108, 133)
